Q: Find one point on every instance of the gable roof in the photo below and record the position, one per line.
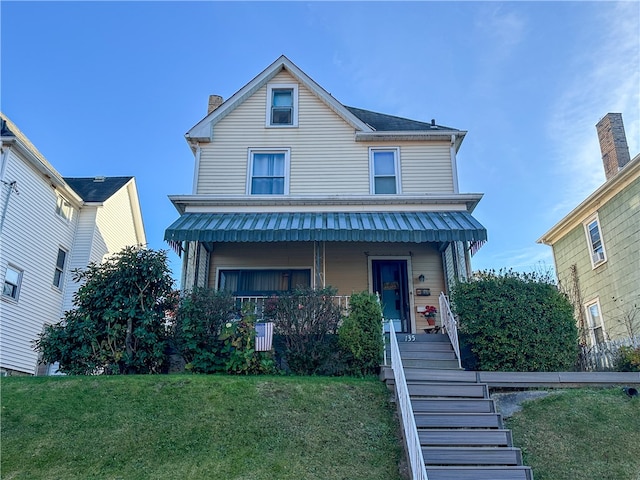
(389, 123)
(96, 189)
(364, 121)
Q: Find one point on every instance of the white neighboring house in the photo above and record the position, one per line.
(50, 225)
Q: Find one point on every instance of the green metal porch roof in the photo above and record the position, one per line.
(414, 227)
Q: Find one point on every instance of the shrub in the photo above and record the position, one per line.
(307, 318)
(628, 359)
(361, 334)
(200, 319)
(118, 323)
(516, 322)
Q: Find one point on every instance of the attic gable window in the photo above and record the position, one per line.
(384, 171)
(595, 241)
(282, 105)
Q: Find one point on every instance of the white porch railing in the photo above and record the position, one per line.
(342, 301)
(450, 324)
(414, 449)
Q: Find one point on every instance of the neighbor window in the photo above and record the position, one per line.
(594, 319)
(595, 242)
(282, 105)
(262, 282)
(58, 275)
(12, 280)
(63, 208)
(383, 166)
(269, 172)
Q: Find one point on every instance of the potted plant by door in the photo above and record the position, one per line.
(430, 314)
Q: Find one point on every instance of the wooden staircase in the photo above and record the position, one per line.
(461, 434)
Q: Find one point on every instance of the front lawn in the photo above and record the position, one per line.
(197, 427)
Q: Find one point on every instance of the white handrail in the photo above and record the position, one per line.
(414, 449)
(450, 325)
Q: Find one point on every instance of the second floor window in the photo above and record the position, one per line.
(384, 171)
(269, 172)
(595, 242)
(58, 275)
(12, 280)
(63, 209)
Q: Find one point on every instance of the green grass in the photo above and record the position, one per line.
(581, 433)
(197, 427)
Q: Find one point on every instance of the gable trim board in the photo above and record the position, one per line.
(414, 227)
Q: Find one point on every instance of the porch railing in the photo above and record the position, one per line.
(414, 449)
(342, 301)
(450, 325)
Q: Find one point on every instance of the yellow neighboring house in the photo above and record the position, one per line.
(596, 247)
(293, 188)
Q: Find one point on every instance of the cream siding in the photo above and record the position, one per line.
(115, 225)
(31, 236)
(325, 158)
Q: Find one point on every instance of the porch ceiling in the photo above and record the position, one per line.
(414, 227)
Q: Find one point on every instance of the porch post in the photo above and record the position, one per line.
(318, 264)
(190, 266)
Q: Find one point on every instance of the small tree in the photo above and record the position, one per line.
(118, 323)
(361, 334)
(516, 322)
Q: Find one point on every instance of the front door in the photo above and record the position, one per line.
(390, 282)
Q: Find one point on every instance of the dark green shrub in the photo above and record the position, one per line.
(117, 325)
(200, 319)
(516, 322)
(361, 334)
(628, 359)
(307, 319)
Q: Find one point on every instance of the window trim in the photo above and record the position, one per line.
(591, 327)
(261, 293)
(61, 270)
(269, 104)
(17, 285)
(287, 162)
(602, 256)
(396, 164)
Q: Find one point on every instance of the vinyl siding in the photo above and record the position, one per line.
(616, 282)
(31, 237)
(115, 226)
(325, 158)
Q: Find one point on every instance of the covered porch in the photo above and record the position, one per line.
(407, 258)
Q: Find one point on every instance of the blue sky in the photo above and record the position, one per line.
(110, 88)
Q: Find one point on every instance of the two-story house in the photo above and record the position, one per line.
(293, 188)
(596, 247)
(49, 226)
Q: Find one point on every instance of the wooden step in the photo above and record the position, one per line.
(446, 405)
(422, 337)
(480, 473)
(430, 375)
(508, 456)
(423, 346)
(428, 355)
(432, 389)
(465, 437)
(458, 420)
(431, 364)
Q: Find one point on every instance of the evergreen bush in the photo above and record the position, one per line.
(516, 322)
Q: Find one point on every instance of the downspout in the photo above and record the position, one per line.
(454, 166)
(10, 186)
(196, 170)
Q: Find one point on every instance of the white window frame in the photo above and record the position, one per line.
(396, 165)
(61, 270)
(63, 208)
(269, 104)
(287, 155)
(590, 321)
(16, 286)
(597, 257)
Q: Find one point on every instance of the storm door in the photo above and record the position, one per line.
(390, 282)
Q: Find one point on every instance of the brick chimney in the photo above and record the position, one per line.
(214, 102)
(613, 143)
